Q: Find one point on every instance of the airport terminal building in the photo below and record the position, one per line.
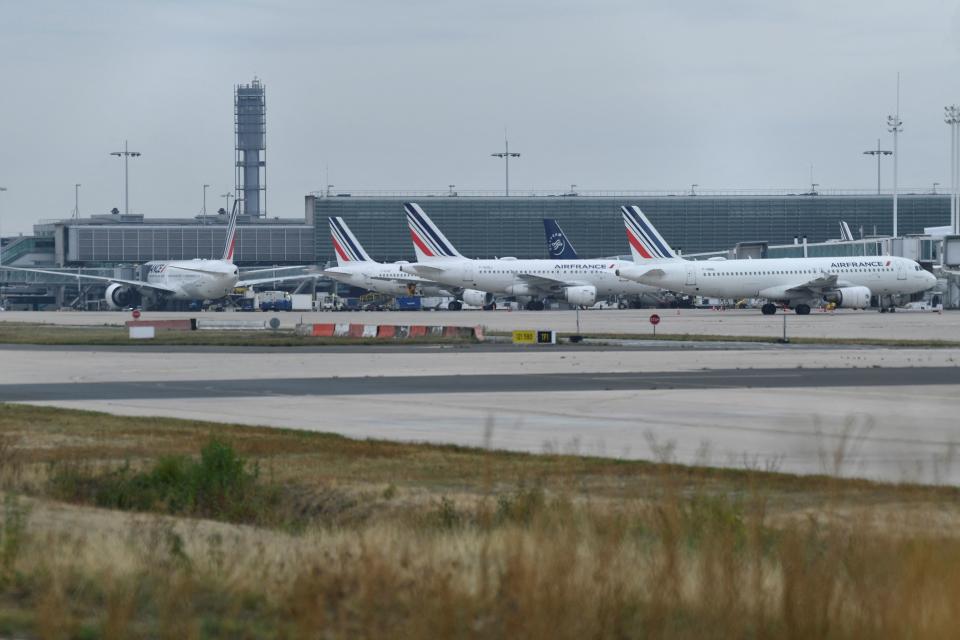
(481, 226)
(487, 227)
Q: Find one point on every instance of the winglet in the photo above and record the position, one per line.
(231, 232)
(558, 245)
(345, 244)
(646, 243)
(428, 241)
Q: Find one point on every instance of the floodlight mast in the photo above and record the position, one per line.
(126, 154)
(506, 155)
(951, 115)
(879, 153)
(895, 126)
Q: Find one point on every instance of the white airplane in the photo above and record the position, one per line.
(799, 283)
(356, 268)
(578, 282)
(197, 279)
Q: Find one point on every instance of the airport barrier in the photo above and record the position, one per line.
(388, 331)
(187, 324)
(231, 325)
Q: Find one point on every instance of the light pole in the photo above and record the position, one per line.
(879, 153)
(204, 210)
(693, 189)
(126, 154)
(895, 126)
(934, 190)
(2, 189)
(951, 115)
(227, 195)
(506, 155)
(76, 201)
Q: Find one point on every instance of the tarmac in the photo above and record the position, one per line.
(881, 413)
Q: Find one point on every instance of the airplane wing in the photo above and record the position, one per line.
(817, 285)
(425, 270)
(253, 272)
(545, 282)
(140, 284)
(302, 276)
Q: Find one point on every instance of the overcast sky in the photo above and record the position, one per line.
(607, 94)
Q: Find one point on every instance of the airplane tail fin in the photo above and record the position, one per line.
(230, 241)
(345, 244)
(428, 241)
(646, 243)
(845, 233)
(558, 245)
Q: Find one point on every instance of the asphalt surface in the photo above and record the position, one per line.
(520, 383)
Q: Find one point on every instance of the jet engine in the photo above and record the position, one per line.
(477, 298)
(583, 295)
(849, 297)
(119, 296)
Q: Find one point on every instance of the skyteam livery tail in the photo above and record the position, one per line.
(558, 245)
(646, 243)
(345, 244)
(231, 233)
(428, 241)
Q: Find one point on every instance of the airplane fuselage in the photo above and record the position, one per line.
(194, 279)
(506, 276)
(778, 279)
(384, 278)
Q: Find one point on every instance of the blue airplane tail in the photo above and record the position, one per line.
(558, 245)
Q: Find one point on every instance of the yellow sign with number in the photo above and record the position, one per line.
(525, 337)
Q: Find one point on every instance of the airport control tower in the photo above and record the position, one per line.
(250, 126)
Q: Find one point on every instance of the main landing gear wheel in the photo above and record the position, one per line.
(455, 305)
(490, 307)
(802, 309)
(768, 309)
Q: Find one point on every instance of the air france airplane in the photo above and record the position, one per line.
(578, 282)
(798, 283)
(356, 268)
(196, 279)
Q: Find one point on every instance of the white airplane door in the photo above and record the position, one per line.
(901, 272)
(691, 274)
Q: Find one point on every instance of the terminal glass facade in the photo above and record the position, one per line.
(496, 227)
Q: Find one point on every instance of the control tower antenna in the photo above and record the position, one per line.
(250, 126)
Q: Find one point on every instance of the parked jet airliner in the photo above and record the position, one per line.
(197, 279)
(799, 283)
(578, 282)
(356, 268)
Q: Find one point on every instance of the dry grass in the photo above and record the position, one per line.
(407, 541)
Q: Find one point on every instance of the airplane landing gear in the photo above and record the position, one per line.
(490, 307)
(534, 305)
(802, 309)
(455, 305)
(768, 309)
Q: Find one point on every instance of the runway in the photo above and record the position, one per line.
(481, 384)
(871, 412)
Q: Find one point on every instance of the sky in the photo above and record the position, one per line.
(380, 94)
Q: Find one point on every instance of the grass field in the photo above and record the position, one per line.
(367, 539)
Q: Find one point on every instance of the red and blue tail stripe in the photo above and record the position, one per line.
(643, 237)
(347, 247)
(428, 240)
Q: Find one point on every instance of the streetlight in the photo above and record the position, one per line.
(76, 201)
(1, 235)
(951, 115)
(895, 126)
(693, 189)
(227, 195)
(126, 155)
(573, 189)
(205, 187)
(506, 155)
(879, 153)
(934, 190)
(451, 193)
